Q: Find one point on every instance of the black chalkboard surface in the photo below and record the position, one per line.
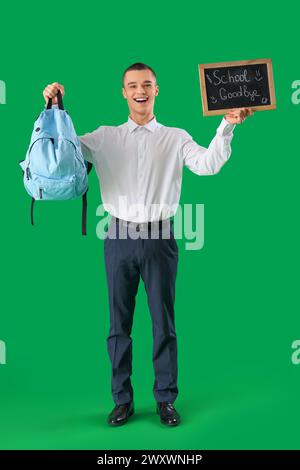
(243, 84)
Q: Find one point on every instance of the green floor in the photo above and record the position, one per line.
(239, 418)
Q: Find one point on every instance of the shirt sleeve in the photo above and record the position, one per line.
(90, 143)
(208, 161)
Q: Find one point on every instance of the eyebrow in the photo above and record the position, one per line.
(146, 81)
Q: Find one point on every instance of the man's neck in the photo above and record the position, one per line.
(141, 120)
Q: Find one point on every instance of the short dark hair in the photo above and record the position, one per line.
(138, 66)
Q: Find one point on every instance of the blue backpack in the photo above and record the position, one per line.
(54, 167)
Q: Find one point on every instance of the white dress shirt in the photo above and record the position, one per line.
(140, 167)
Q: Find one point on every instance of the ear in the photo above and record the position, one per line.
(156, 90)
(124, 93)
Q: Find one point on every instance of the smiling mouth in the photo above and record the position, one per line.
(141, 100)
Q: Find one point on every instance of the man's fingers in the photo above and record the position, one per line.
(60, 87)
(231, 112)
(235, 114)
(248, 112)
(240, 112)
(57, 86)
(52, 90)
(238, 115)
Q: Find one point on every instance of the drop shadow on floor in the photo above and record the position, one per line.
(190, 410)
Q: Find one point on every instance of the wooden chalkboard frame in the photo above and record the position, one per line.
(202, 67)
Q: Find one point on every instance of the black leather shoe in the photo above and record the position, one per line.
(120, 414)
(168, 414)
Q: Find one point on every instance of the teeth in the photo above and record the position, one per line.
(141, 99)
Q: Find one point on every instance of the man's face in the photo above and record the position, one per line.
(140, 90)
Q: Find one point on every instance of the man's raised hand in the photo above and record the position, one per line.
(238, 115)
(51, 91)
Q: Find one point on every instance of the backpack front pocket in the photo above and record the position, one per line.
(51, 188)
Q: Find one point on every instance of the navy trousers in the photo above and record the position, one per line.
(154, 260)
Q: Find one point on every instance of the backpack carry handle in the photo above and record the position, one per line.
(59, 101)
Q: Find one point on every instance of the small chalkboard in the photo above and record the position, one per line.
(242, 84)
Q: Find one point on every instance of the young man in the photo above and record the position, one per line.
(139, 166)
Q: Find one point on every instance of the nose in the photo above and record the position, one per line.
(141, 90)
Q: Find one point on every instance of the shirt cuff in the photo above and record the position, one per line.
(225, 128)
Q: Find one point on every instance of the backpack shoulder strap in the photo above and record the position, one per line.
(31, 210)
(84, 203)
(32, 201)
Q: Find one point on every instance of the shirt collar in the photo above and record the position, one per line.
(151, 125)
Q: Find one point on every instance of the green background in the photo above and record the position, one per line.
(237, 306)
